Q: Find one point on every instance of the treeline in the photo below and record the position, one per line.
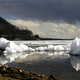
(12, 32)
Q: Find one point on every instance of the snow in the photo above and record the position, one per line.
(75, 47)
(12, 50)
(54, 48)
(12, 47)
(3, 43)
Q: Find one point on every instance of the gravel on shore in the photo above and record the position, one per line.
(15, 73)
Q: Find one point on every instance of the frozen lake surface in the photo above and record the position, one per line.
(45, 42)
(57, 63)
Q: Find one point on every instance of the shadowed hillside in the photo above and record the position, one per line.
(11, 32)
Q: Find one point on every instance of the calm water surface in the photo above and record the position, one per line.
(59, 64)
(64, 67)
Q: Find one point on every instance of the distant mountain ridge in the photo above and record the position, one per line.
(11, 32)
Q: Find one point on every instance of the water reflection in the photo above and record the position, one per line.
(36, 56)
(3, 60)
(60, 64)
(29, 56)
(75, 62)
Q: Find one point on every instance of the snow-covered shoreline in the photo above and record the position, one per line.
(12, 47)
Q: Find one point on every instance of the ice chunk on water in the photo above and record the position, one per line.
(11, 47)
(50, 47)
(54, 48)
(75, 47)
(41, 48)
(3, 43)
(23, 47)
(59, 48)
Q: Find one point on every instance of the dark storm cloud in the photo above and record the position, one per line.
(45, 10)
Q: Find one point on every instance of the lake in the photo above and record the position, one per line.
(57, 63)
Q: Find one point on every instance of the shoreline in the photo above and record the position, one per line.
(15, 73)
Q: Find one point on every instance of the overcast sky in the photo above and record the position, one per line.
(48, 18)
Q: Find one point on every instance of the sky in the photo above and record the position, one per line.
(47, 18)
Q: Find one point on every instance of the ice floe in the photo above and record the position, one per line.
(54, 48)
(12, 47)
(75, 47)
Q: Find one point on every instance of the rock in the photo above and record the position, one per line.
(38, 75)
(42, 75)
(5, 66)
(31, 72)
(12, 70)
(23, 63)
(51, 76)
(20, 74)
(0, 65)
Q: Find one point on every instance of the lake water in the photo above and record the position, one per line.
(59, 63)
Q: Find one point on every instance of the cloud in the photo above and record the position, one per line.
(44, 10)
(40, 33)
(57, 30)
(49, 29)
(24, 24)
(54, 34)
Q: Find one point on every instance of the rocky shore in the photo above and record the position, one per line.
(27, 64)
(15, 73)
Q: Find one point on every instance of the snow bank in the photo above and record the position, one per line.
(54, 48)
(3, 43)
(75, 47)
(12, 47)
(18, 49)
